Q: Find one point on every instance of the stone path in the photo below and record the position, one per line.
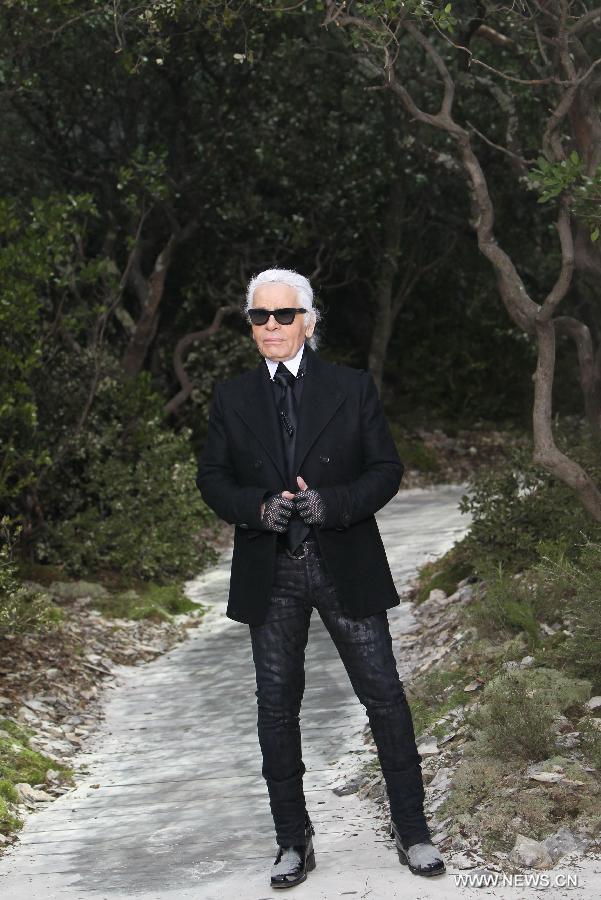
(174, 806)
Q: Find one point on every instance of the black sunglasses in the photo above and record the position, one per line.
(285, 315)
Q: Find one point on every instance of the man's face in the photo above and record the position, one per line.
(277, 341)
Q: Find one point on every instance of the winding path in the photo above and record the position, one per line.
(174, 806)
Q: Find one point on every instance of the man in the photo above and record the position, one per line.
(299, 457)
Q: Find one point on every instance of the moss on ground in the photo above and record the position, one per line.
(18, 764)
(159, 603)
(444, 573)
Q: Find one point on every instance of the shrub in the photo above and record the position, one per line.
(516, 507)
(20, 610)
(517, 709)
(511, 722)
(506, 605)
(123, 498)
(577, 586)
(444, 573)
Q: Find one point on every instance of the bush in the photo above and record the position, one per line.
(506, 605)
(518, 506)
(20, 610)
(223, 355)
(511, 722)
(123, 498)
(578, 584)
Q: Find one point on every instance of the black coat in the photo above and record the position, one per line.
(344, 448)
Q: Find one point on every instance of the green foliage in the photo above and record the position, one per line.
(18, 764)
(511, 721)
(433, 694)
(156, 602)
(516, 507)
(553, 178)
(20, 609)
(591, 740)
(506, 606)
(414, 453)
(143, 179)
(222, 355)
(124, 497)
(576, 589)
(445, 573)
(38, 260)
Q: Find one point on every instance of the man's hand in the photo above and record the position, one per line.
(309, 504)
(276, 511)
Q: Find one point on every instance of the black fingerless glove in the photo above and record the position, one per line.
(310, 506)
(276, 513)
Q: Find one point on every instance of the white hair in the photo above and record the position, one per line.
(304, 294)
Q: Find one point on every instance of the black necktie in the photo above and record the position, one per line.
(297, 530)
(287, 405)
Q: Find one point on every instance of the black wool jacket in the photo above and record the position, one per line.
(344, 449)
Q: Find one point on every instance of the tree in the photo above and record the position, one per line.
(552, 51)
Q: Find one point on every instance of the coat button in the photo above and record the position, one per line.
(324, 459)
(258, 463)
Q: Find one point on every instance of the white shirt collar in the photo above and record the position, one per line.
(291, 364)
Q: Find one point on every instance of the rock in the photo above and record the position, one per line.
(561, 724)
(593, 703)
(437, 596)
(29, 795)
(473, 685)
(511, 664)
(53, 776)
(547, 777)
(27, 715)
(564, 841)
(428, 747)
(526, 662)
(36, 705)
(466, 861)
(351, 787)
(568, 741)
(528, 852)
(441, 780)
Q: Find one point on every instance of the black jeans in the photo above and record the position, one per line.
(365, 647)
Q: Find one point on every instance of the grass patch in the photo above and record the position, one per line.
(19, 763)
(159, 603)
(492, 798)
(444, 574)
(506, 607)
(433, 694)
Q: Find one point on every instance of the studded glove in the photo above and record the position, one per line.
(310, 506)
(276, 513)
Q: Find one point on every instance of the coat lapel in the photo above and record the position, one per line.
(321, 397)
(258, 411)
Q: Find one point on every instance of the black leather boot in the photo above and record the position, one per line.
(292, 863)
(422, 858)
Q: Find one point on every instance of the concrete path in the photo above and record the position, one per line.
(174, 805)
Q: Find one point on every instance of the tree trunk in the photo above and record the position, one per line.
(384, 292)
(546, 453)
